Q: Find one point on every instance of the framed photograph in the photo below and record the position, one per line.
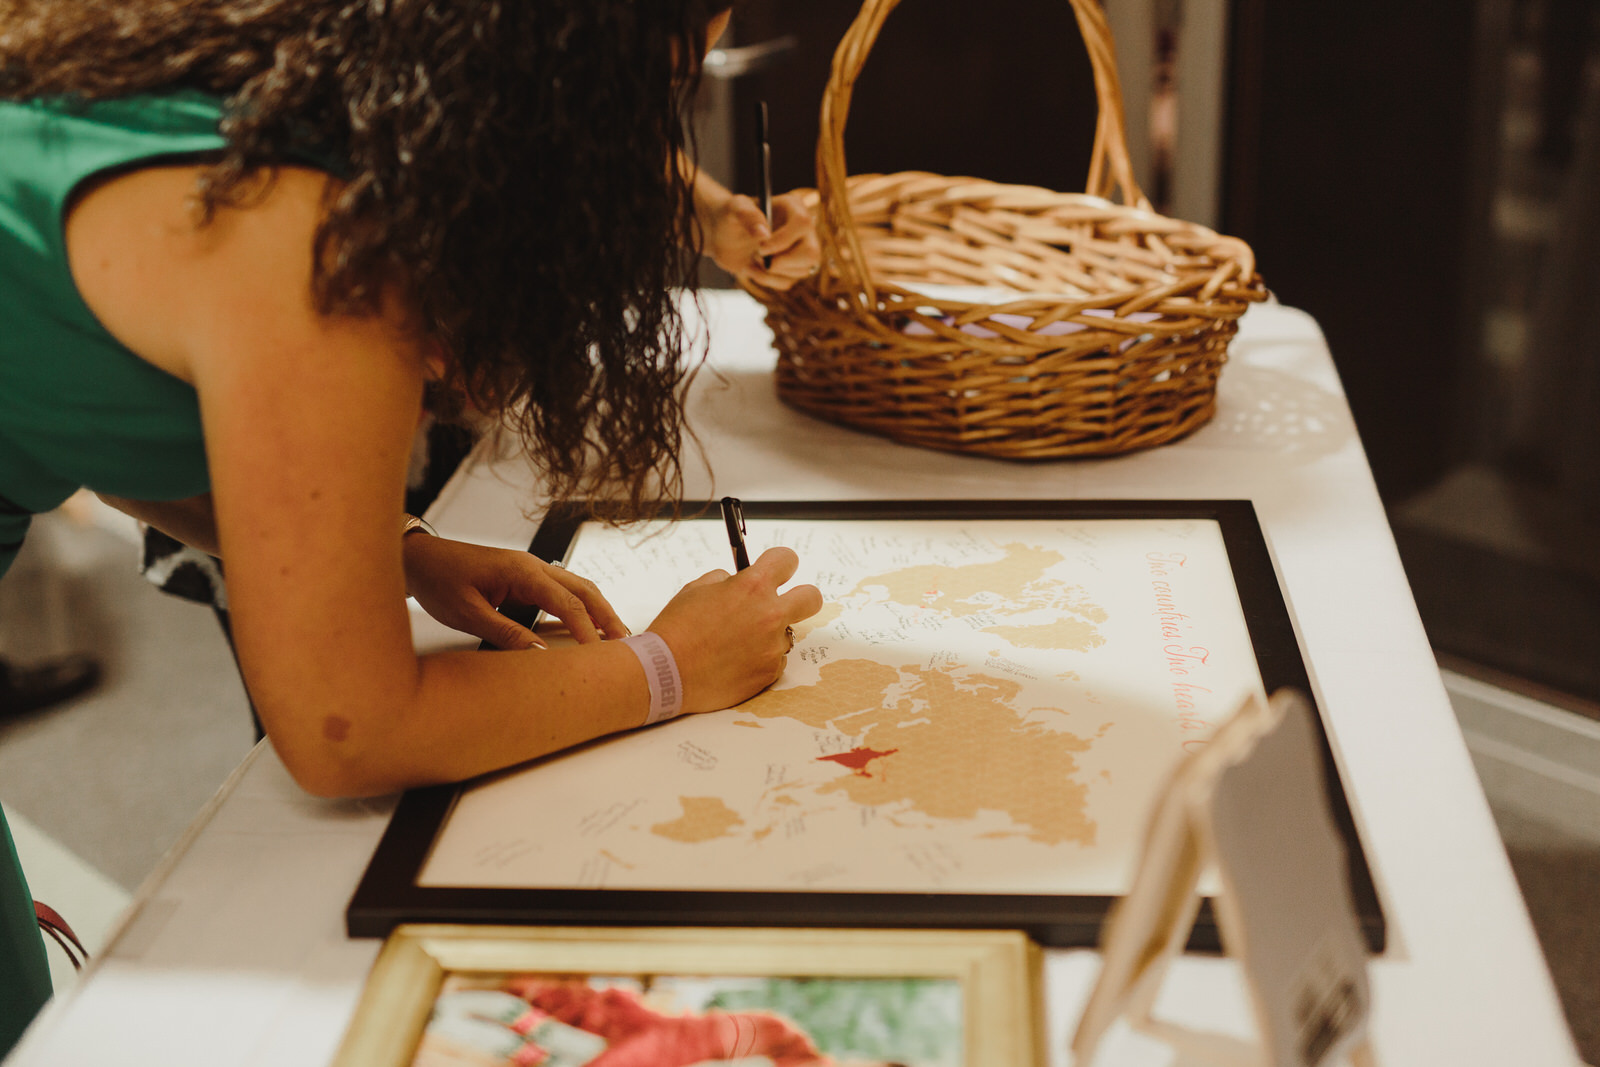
(969, 734)
(455, 996)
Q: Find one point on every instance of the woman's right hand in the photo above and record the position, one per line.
(727, 632)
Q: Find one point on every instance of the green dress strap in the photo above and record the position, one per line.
(77, 408)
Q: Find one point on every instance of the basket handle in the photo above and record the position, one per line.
(1109, 165)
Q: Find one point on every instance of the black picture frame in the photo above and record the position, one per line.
(388, 894)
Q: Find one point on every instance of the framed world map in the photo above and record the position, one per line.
(969, 734)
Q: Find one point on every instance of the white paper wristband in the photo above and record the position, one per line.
(661, 671)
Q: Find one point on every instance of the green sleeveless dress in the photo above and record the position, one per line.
(76, 407)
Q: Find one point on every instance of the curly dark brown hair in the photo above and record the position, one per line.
(510, 164)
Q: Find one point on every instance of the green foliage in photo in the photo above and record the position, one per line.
(912, 1021)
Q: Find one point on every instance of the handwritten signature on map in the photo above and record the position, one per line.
(981, 706)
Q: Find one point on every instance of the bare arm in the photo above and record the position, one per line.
(190, 521)
(308, 422)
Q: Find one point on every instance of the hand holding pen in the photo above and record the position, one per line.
(746, 648)
(733, 519)
(764, 240)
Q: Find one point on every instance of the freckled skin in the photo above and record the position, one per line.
(335, 728)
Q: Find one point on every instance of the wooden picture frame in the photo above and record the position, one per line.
(390, 892)
(999, 1025)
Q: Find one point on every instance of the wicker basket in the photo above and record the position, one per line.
(1096, 327)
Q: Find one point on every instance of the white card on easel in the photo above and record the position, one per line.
(1254, 803)
(1148, 927)
(1285, 908)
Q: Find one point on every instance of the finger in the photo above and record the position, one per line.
(800, 603)
(594, 602)
(790, 210)
(801, 261)
(570, 610)
(769, 280)
(795, 225)
(798, 262)
(484, 622)
(708, 578)
(784, 245)
(748, 214)
(776, 282)
(781, 274)
(541, 588)
(775, 566)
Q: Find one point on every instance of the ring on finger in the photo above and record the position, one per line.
(788, 631)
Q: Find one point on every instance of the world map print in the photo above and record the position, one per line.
(980, 706)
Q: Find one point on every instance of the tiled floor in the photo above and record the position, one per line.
(1540, 767)
(88, 900)
(98, 789)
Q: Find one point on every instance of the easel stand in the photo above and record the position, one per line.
(1253, 803)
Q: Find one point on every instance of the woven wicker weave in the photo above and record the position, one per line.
(1100, 327)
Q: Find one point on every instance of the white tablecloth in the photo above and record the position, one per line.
(236, 954)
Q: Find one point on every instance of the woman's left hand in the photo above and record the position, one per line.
(462, 584)
(737, 237)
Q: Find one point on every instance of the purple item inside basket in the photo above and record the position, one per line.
(1025, 322)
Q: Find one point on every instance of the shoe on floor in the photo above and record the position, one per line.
(47, 682)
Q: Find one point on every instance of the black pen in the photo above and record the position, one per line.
(733, 519)
(764, 145)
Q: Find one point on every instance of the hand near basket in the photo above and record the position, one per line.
(737, 238)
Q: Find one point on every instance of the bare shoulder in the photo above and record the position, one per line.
(154, 273)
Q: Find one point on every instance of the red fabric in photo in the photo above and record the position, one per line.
(637, 1036)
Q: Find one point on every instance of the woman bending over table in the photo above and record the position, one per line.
(243, 245)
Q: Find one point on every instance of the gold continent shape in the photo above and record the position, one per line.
(1073, 635)
(953, 589)
(961, 746)
(703, 819)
